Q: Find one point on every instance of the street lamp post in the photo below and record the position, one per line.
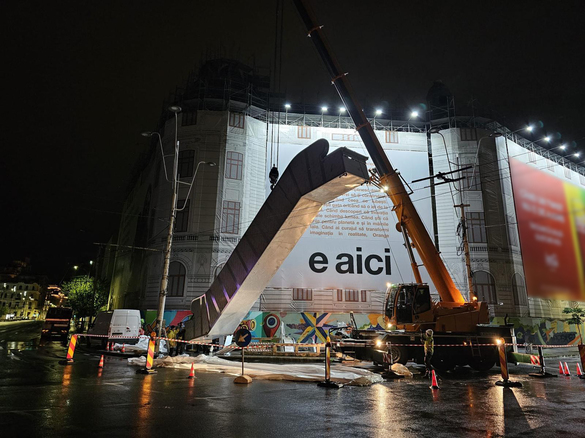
(323, 110)
(167, 251)
(174, 209)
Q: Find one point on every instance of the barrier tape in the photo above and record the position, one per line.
(358, 344)
(260, 345)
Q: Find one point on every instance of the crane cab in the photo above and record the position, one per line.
(407, 306)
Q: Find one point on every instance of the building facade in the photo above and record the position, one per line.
(226, 119)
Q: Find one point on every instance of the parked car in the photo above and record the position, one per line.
(119, 325)
(57, 323)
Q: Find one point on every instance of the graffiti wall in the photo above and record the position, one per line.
(543, 331)
(311, 327)
(306, 327)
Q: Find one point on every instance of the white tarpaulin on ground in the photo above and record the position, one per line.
(313, 372)
(141, 345)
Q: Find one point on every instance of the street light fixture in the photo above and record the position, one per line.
(323, 110)
(150, 134)
(414, 114)
(286, 108)
(377, 113)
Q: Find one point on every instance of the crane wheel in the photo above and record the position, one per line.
(398, 354)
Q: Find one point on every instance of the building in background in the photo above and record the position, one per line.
(229, 118)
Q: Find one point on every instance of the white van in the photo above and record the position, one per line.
(116, 323)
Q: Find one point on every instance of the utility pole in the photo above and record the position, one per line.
(167, 251)
(463, 223)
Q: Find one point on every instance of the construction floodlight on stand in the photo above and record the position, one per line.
(328, 383)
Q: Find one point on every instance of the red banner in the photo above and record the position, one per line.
(549, 236)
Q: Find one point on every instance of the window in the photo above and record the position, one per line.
(550, 166)
(339, 294)
(177, 274)
(568, 173)
(230, 218)
(189, 118)
(304, 132)
(471, 179)
(582, 179)
(468, 134)
(302, 294)
(391, 136)
(186, 161)
(237, 120)
(485, 287)
(182, 219)
(352, 295)
(518, 290)
(531, 157)
(476, 232)
(364, 294)
(233, 165)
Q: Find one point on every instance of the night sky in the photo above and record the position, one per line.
(82, 80)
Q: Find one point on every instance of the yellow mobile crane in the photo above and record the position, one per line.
(409, 308)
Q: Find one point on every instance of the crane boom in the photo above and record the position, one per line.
(404, 208)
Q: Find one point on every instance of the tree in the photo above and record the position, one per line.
(577, 317)
(3, 310)
(87, 296)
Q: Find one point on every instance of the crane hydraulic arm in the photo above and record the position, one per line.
(390, 180)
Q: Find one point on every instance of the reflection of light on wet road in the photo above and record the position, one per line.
(143, 411)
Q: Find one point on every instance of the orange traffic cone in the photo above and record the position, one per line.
(434, 384)
(561, 371)
(101, 364)
(123, 348)
(192, 373)
(567, 372)
(108, 346)
(579, 372)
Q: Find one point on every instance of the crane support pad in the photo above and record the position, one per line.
(312, 179)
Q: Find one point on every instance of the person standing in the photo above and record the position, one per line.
(429, 347)
(172, 334)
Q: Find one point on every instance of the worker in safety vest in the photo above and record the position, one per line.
(429, 346)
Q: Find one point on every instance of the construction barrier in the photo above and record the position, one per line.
(328, 383)
(505, 382)
(149, 359)
(70, 351)
(540, 361)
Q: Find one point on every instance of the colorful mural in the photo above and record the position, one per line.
(171, 317)
(543, 331)
(311, 327)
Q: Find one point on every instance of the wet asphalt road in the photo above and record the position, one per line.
(39, 397)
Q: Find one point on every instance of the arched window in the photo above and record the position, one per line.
(177, 274)
(519, 290)
(485, 287)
